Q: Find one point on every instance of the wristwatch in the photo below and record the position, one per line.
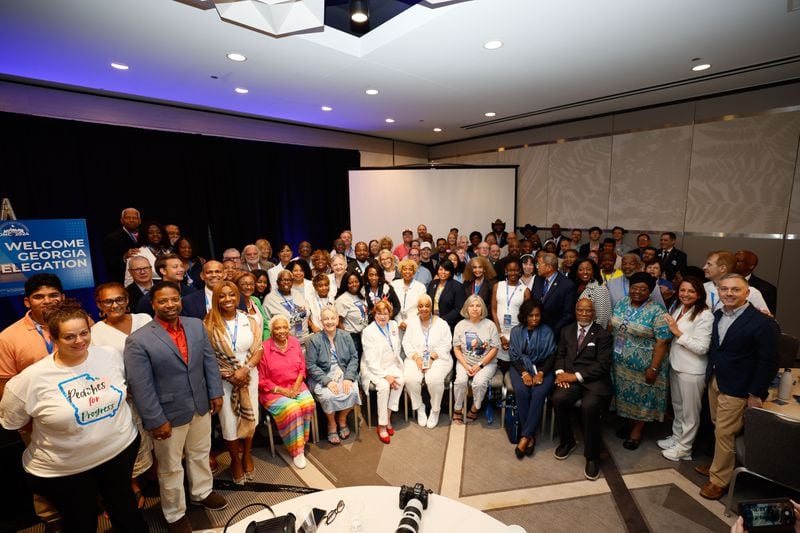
(480, 364)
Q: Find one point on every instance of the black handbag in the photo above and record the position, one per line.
(276, 524)
(512, 424)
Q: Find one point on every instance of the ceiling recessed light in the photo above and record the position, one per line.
(490, 114)
(389, 120)
(234, 56)
(371, 92)
(701, 67)
(437, 130)
(119, 66)
(492, 45)
(241, 90)
(326, 108)
(359, 11)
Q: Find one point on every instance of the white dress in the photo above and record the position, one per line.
(509, 300)
(237, 330)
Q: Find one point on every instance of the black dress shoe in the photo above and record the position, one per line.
(564, 450)
(631, 444)
(531, 444)
(591, 471)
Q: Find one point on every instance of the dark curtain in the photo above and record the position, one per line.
(222, 192)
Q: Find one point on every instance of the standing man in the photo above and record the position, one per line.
(173, 232)
(198, 303)
(347, 237)
(620, 248)
(171, 268)
(441, 251)
(556, 236)
(717, 266)
(422, 232)
(583, 372)
(576, 236)
(175, 382)
(252, 258)
(232, 254)
(142, 273)
(618, 287)
(514, 251)
(555, 291)
(746, 263)
(363, 260)
(499, 231)
(642, 242)
(422, 275)
(742, 361)
(304, 252)
(672, 259)
(120, 245)
(594, 242)
(425, 259)
(401, 250)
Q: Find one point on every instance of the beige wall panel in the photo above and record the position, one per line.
(488, 158)
(400, 160)
(649, 177)
(789, 287)
(794, 208)
(531, 183)
(741, 174)
(578, 180)
(373, 159)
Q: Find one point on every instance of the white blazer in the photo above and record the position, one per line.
(688, 352)
(379, 358)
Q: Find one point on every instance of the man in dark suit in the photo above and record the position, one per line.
(742, 361)
(595, 233)
(362, 260)
(672, 259)
(746, 263)
(142, 274)
(174, 378)
(120, 245)
(555, 291)
(583, 372)
(197, 303)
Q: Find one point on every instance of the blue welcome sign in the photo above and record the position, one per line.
(29, 247)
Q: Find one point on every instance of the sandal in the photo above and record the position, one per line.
(472, 415)
(458, 417)
(344, 432)
(139, 497)
(333, 438)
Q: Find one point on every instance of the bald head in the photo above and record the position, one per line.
(212, 273)
(746, 262)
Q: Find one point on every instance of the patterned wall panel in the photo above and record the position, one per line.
(794, 207)
(531, 183)
(741, 174)
(649, 177)
(577, 190)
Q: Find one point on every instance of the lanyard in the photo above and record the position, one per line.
(531, 334)
(428, 331)
(47, 344)
(508, 300)
(713, 301)
(334, 359)
(233, 336)
(632, 313)
(319, 301)
(476, 287)
(289, 305)
(386, 334)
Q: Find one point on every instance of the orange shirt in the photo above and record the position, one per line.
(178, 336)
(21, 345)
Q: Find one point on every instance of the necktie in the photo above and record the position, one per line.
(581, 336)
(546, 287)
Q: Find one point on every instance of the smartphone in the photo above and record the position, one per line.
(774, 515)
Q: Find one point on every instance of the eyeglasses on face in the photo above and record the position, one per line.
(141, 270)
(119, 300)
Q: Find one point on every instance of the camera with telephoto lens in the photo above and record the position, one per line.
(412, 500)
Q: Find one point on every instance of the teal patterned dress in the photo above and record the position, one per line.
(636, 331)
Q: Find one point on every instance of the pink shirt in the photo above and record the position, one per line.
(280, 369)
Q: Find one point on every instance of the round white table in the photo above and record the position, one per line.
(381, 512)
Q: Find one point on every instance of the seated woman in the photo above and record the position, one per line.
(408, 291)
(322, 297)
(332, 367)
(447, 295)
(112, 330)
(282, 390)
(389, 266)
(377, 289)
(338, 268)
(289, 304)
(427, 343)
(586, 275)
(382, 366)
(475, 345)
(83, 439)
(352, 308)
(479, 278)
(246, 283)
(532, 349)
(236, 340)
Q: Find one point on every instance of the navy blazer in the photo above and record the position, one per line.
(558, 303)
(450, 301)
(673, 262)
(768, 291)
(318, 356)
(163, 386)
(484, 292)
(592, 359)
(194, 304)
(747, 360)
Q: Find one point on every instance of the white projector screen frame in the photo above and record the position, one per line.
(385, 201)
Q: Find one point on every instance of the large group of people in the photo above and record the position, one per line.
(615, 327)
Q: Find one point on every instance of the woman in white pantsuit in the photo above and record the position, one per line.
(427, 344)
(690, 323)
(382, 366)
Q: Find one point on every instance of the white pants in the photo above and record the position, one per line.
(480, 383)
(687, 397)
(192, 440)
(434, 380)
(387, 398)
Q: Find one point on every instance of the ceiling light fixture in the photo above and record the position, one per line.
(326, 108)
(359, 11)
(437, 130)
(235, 56)
(390, 121)
(492, 45)
(371, 92)
(119, 66)
(241, 90)
(490, 114)
(701, 67)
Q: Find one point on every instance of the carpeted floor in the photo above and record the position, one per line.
(638, 491)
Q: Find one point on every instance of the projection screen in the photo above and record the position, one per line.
(384, 201)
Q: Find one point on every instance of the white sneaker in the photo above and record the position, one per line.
(299, 460)
(674, 455)
(666, 444)
(422, 418)
(433, 419)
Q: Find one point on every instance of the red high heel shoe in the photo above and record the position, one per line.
(386, 440)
